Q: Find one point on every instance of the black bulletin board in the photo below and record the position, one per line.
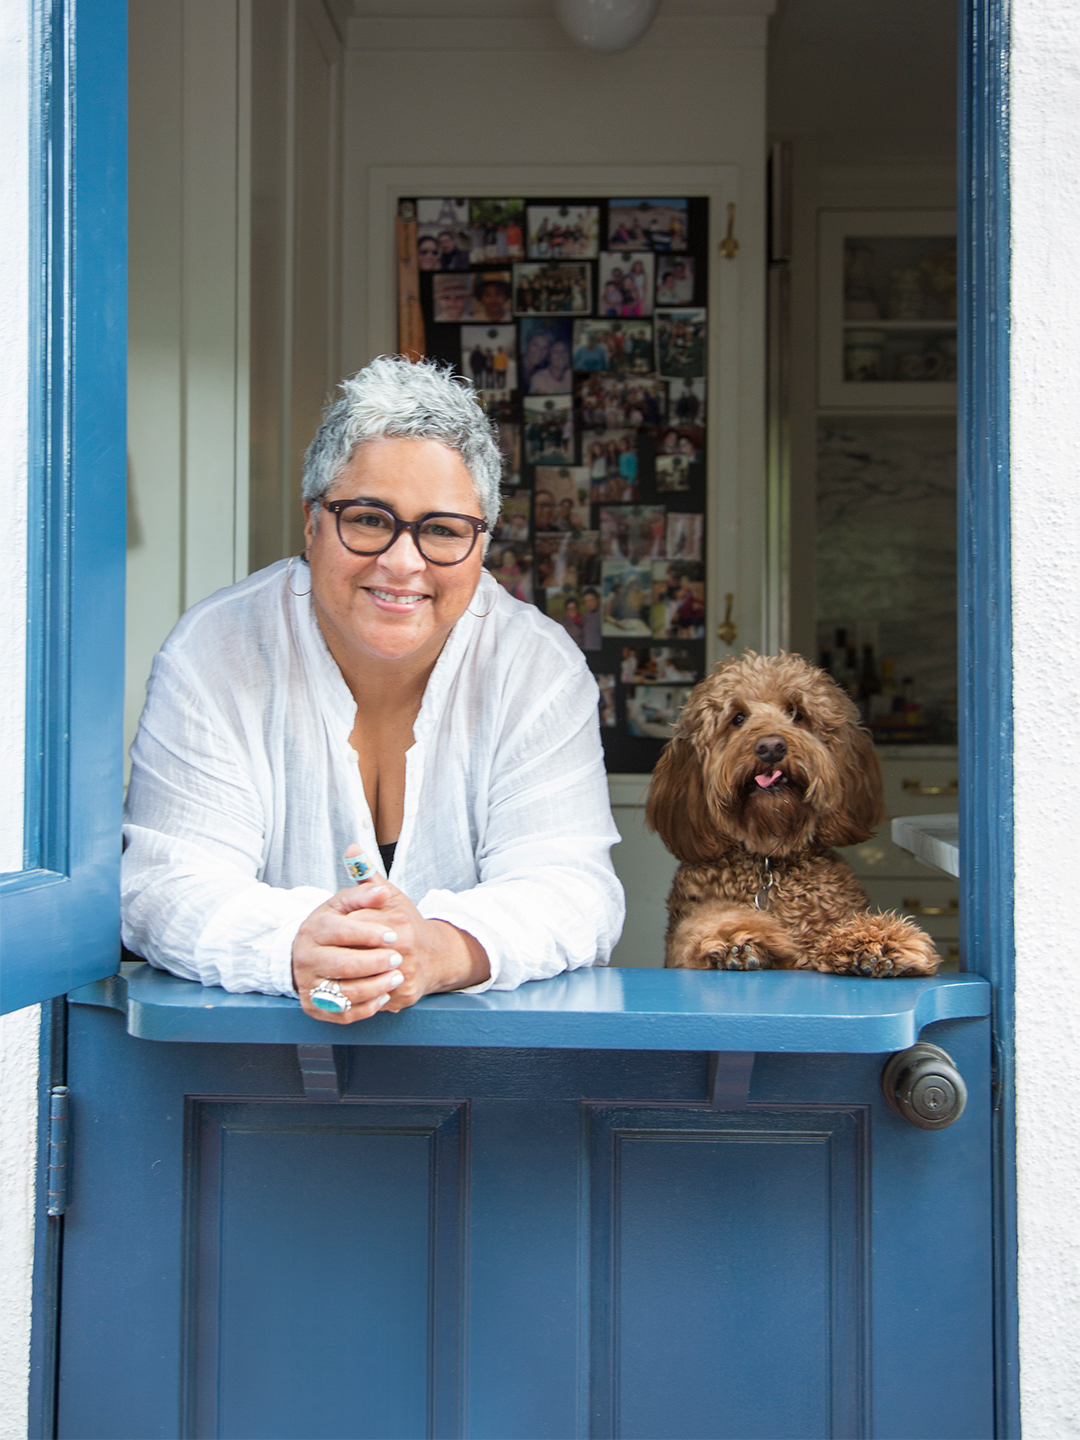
(604, 489)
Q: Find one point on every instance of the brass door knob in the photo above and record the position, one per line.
(925, 1087)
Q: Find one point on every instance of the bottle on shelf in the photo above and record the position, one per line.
(869, 682)
(881, 704)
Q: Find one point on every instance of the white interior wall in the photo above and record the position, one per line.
(188, 316)
(1045, 396)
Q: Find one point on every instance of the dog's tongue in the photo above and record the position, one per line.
(766, 780)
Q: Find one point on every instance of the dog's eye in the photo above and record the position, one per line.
(795, 713)
(738, 719)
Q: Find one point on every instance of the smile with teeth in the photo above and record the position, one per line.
(391, 599)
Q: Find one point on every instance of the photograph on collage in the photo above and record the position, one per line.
(685, 440)
(497, 230)
(658, 665)
(513, 521)
(484, 295)
(508, 438)
(618, 347)
(611, 461)
(675, 280)
(647, 224)
(567, 562)
(678, 600)
(672, 474)
(611, 403)
(489, 356)
(545, 356)
(680, 343)
(632, 532)
(686, 402)
(564, 232)
(511, 563)
(626, 284)
(549, 429)
(443, 239)
(552, 289)
(606, 685)
(625, 591)
(652, 710)
(685, 536)
(566, 607)
(561, 498)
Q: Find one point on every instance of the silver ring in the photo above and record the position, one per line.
(328, 995)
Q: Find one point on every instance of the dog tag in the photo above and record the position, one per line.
(768, 879)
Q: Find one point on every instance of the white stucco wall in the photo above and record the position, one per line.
(1045, 120)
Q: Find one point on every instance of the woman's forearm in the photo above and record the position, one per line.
(462, 961)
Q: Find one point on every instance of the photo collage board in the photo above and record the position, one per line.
(583, 325)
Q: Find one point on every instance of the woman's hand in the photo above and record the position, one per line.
(374, 942)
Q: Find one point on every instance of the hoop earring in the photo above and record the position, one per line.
(483, 614)
(300, 594)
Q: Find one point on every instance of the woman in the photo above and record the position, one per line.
(389, 692)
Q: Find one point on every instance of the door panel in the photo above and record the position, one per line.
(729, 1265)
(510, 1245)
(355, 1215)
(60, 913)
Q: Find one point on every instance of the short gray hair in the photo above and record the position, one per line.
(397, 398)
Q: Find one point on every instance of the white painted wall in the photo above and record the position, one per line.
(18, 1032)
(1045, 405)
(188, 316)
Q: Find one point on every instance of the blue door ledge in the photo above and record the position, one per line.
(593, 1009)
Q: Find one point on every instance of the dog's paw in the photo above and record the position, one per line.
(744, 956)
(876, 946)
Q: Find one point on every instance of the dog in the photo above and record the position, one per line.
(767, 769)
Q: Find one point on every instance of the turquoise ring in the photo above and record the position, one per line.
(328, 995)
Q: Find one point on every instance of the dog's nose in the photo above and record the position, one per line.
(771, 749)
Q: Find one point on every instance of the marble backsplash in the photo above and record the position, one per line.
(886, 548)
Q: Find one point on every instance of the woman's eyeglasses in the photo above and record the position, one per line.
(366, 528)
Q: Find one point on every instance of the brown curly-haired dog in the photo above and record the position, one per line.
(768, 767)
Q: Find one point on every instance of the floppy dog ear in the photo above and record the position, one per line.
(862, 805)
(676, 808)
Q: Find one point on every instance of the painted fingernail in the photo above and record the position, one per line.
(381, 1001)
(396, 979)
(389, 937)
(393, 958)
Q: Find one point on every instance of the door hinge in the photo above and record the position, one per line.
(59, 1108)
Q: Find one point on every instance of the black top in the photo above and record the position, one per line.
(387, 853)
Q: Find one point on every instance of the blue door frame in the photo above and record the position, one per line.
(985, 590)
(73, 749)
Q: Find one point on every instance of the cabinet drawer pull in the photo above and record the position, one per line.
(914, 906)
(916, 787)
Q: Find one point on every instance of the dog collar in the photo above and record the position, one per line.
(768, 880)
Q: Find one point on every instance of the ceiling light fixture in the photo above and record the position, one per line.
(606, 26)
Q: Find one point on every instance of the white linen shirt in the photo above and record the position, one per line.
(245, 793)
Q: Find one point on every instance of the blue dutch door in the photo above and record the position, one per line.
(637, 1203)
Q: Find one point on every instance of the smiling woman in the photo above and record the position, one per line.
(400, 700)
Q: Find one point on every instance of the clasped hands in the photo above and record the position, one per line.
(374, 942)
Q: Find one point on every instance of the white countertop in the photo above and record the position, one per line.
(934, 839)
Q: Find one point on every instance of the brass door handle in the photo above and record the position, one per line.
(727, 630)
(914, 906)
(729, 246)
(916, 787)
